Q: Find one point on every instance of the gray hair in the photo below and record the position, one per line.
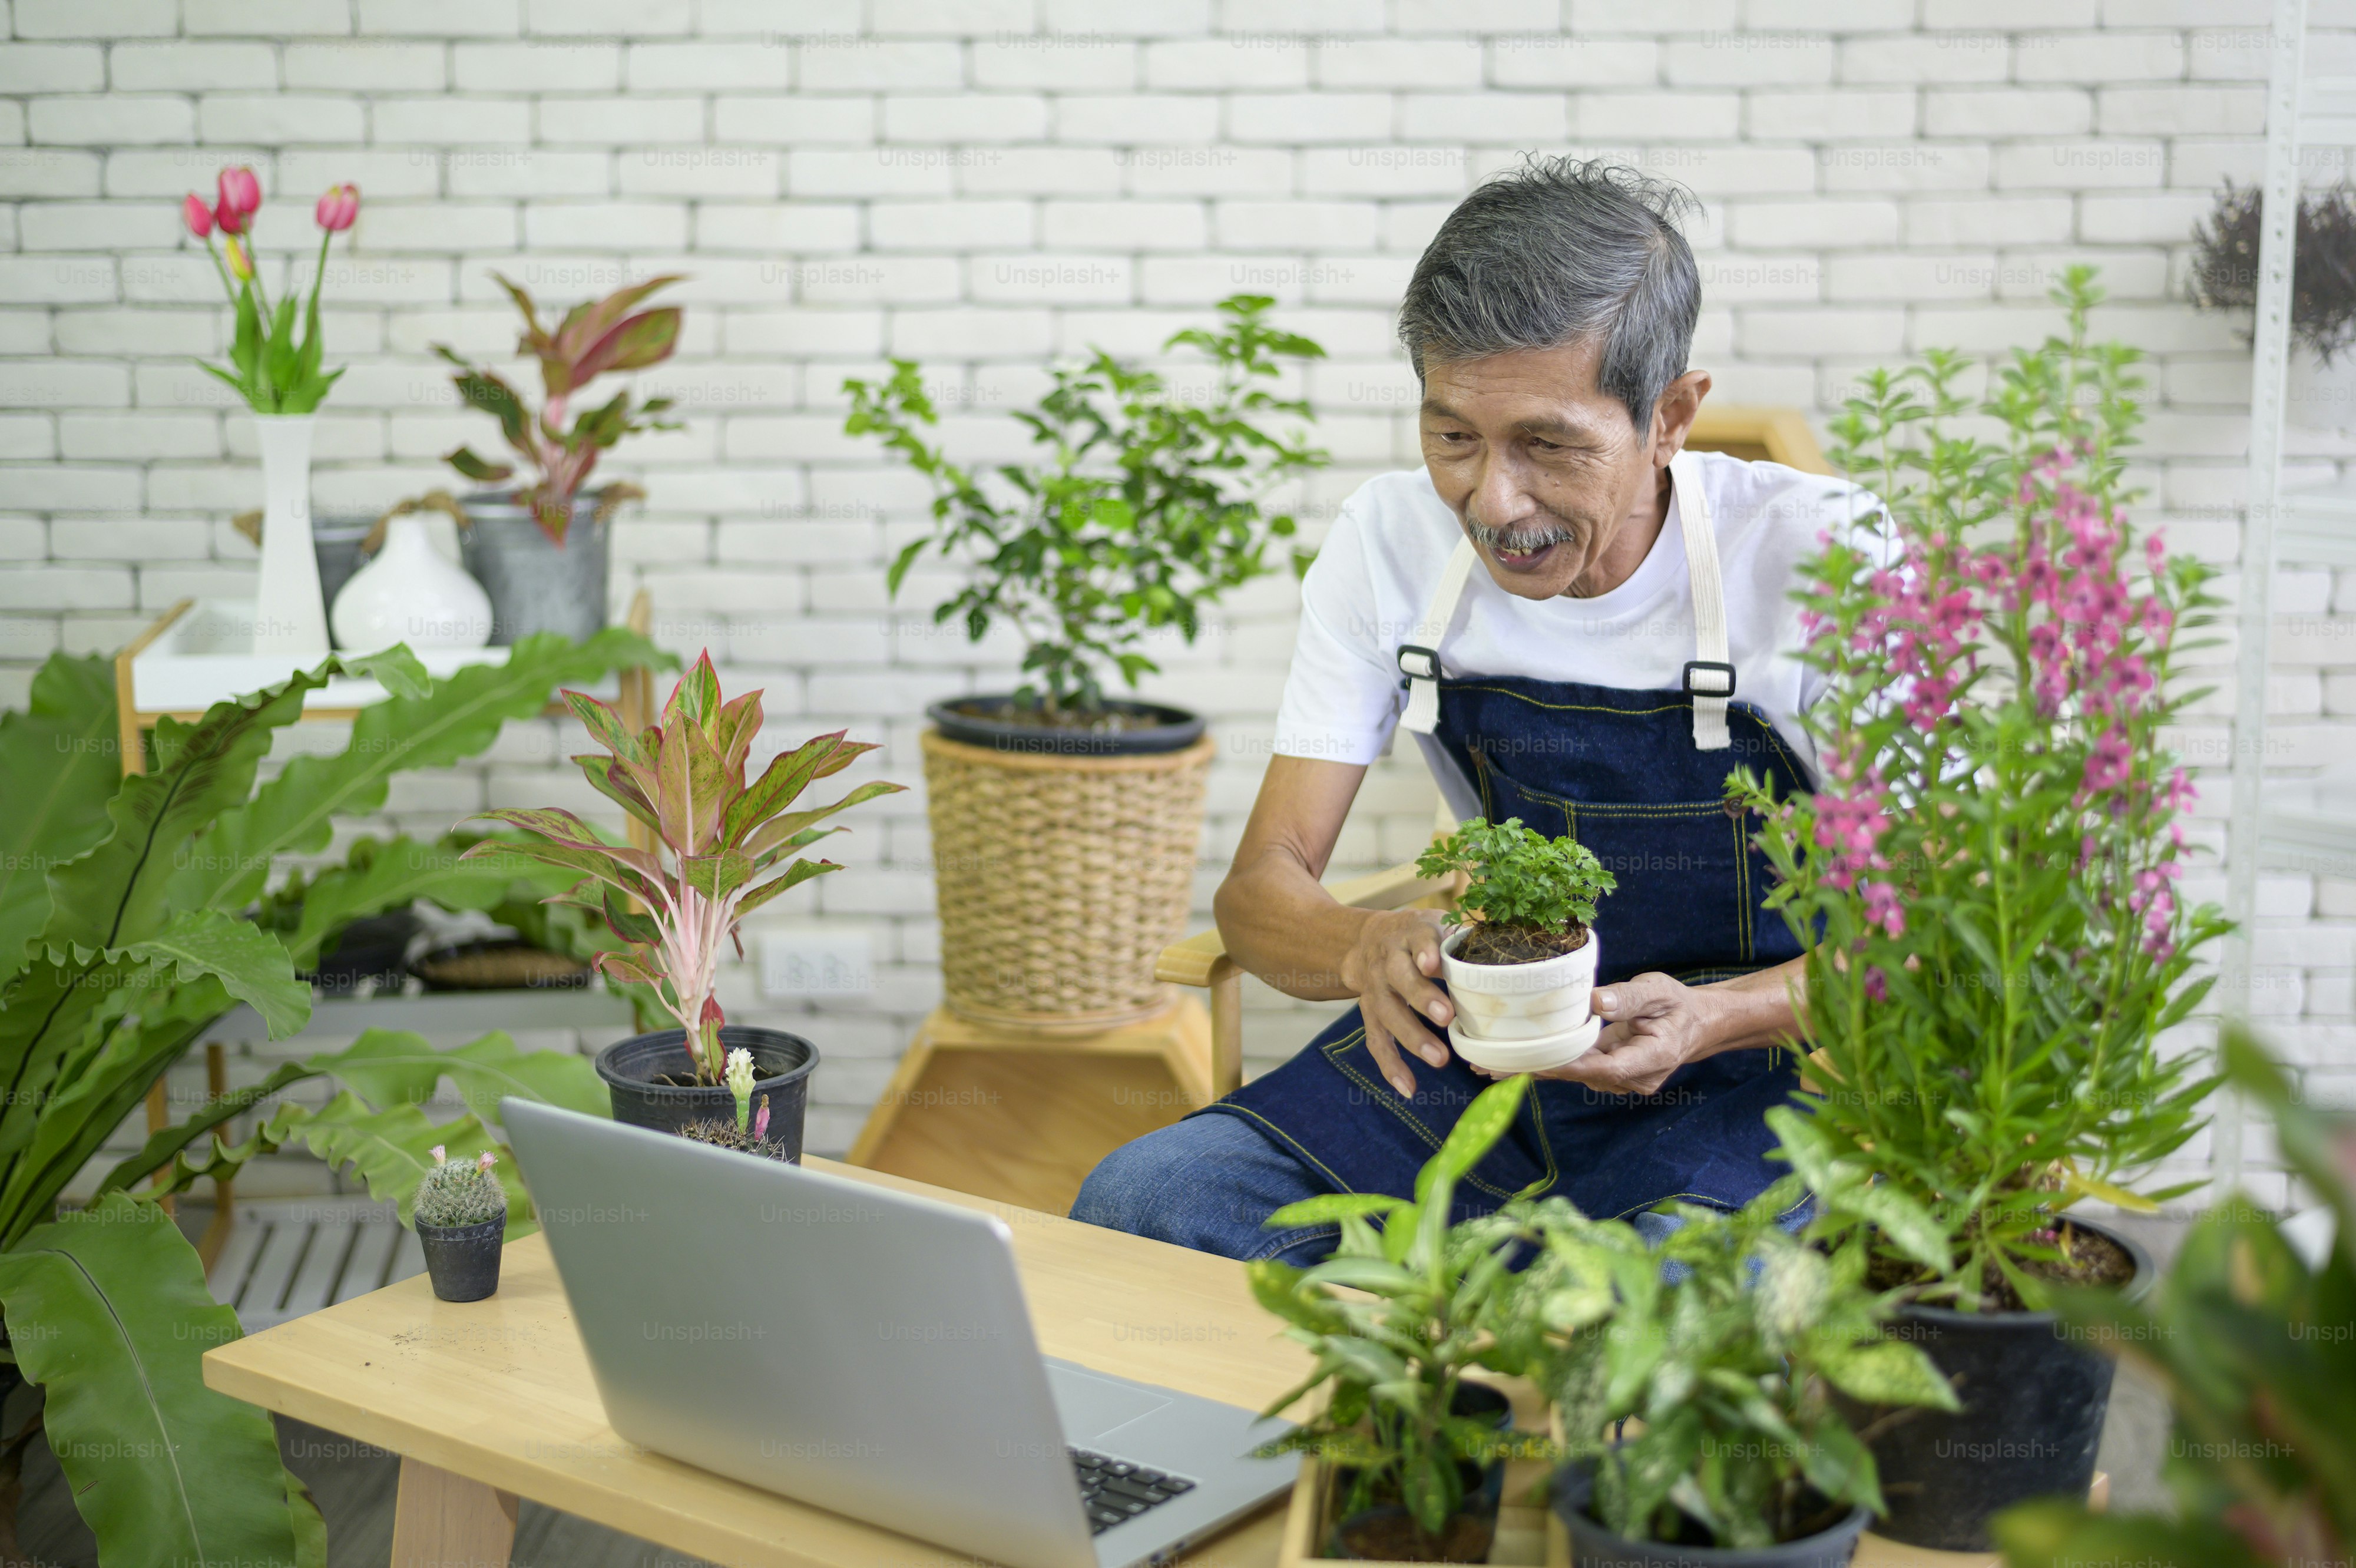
(1562, 252)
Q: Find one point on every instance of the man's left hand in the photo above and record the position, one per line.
(1652, 1026)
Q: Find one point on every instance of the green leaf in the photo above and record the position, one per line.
(391, 1150)
(388, 1067)
(462, 458)
(1328, 1207)
(59, 762)
(1882, 1371)
(108, 1311)
(251, 963)
(1476, 1132)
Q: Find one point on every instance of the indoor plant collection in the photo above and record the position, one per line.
(1143, 508)
(540, 549)
(1988, 878)
(724, 847)
(1522, 970)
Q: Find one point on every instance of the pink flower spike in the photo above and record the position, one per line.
(198, 215)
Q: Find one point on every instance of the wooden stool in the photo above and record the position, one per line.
(1022, 1115)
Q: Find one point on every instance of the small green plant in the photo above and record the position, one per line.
(2258, 1351)
(1519, 878)
(1724, 1340)
(464, 1193)
(1421, 1297)
(596, 338)
(1145, 510)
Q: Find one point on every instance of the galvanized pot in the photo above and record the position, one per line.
(535, 584)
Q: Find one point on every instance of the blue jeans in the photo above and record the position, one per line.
(1209, 1182)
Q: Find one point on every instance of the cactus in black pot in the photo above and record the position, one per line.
(462, 1218)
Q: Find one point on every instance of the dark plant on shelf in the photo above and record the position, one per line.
(596, 337)
(127, 931)
(2323, 263)
(1986, 880)
(1145, 509)
(2256, 1348)
(724, 846)
(1518, 881)
(1725, 1341)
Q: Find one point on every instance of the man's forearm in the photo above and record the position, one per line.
(1757, 1009)
(1280, 924)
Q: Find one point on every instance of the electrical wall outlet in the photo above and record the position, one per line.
(813, 961)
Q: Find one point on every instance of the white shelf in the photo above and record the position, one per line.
(206, 657)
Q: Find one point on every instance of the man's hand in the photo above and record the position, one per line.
(1652, 1026)
(1390, 968)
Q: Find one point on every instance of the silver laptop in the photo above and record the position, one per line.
(866, 1351)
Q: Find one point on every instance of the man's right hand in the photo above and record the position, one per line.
(1391, 968)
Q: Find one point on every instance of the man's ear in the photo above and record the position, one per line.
(1673, 415)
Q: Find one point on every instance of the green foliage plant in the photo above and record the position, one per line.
(1143, 510)
(127, 914)
(1724, 1341)
(724, 846)
(596, 337)
(1985, 876)
(1395, 1319)
(459, 1192)
(1518, 878)
(2256, 1349)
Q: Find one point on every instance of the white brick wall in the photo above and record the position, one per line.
(989, 184)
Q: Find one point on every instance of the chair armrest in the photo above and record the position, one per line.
(1202, 959)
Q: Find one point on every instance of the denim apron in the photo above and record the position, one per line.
(1637, 776)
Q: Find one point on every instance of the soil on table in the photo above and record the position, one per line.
(725, 1136)
(2088, 1259)
(1104, 721)
(1498, 944)
(1397, 1537)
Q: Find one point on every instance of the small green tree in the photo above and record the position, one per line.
(1520, 878)
(1145, 510)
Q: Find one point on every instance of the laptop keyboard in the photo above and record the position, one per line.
(1116, 1491)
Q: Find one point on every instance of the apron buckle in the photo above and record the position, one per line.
(1712, 689)
(1427, 657)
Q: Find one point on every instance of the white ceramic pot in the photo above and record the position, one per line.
(1522, 1017)
(411, 592)
(290, 618)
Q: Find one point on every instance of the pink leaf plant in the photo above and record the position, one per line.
(724, 846)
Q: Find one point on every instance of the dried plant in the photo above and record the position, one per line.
(2323, 263)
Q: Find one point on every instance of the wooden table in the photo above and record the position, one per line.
(490, 1402)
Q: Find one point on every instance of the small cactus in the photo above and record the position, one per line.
(462, 1194)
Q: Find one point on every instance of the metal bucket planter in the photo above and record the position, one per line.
(535, 584)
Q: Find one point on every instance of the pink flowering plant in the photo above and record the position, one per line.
(1988, 878)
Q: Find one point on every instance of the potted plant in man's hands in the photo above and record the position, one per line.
(1725, 1341)
(1408, 1451)
(724, 847)
(539, 548)
(1143, 508)
(1520, 963)
(461, 1215)
(1987, 884)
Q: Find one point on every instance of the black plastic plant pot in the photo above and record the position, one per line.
(1593, 1546)
(1147, 728)
(463, 1260)
(651, 1080)
(2034, 1399)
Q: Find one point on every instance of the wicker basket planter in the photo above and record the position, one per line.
(1061, 876)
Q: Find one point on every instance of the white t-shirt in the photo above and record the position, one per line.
(1375, 576)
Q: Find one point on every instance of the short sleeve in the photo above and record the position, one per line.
(1341, 699)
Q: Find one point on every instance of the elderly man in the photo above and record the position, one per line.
(1584, 626)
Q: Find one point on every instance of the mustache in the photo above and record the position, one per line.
(1524, 537)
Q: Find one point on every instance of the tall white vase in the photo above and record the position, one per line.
(290, 618)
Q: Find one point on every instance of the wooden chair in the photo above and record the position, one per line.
(1774, 434)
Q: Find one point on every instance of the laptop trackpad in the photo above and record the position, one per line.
(1093, 1408)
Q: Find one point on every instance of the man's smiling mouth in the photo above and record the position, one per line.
(1521, 549)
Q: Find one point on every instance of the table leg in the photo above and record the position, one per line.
(442, 1521)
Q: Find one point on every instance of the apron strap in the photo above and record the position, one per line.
(1710, 675)
(1419, 660)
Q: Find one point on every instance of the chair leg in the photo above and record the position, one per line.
(1226, 1028)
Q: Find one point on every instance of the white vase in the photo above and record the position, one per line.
(411, 592)
(290, 621)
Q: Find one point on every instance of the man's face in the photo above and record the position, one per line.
(1541, 467)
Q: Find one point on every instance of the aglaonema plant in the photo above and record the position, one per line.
(724, 846)
(1986, 878)
(1143, 508)
(127, 931)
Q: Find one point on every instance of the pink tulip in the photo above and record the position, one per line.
(241, 192)
(230, 220)
(199, 216)
(338, 207)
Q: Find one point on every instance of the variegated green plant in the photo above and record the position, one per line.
(724, 847)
